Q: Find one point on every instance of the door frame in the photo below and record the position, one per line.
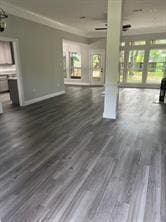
(15, 43)
(97, 51)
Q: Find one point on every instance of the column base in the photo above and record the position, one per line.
(111, 101)
(109, 116)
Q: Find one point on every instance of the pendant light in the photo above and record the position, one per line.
(3, 16)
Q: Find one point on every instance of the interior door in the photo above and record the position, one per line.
(97, 67)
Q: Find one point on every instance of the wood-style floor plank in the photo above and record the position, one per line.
(61, 162)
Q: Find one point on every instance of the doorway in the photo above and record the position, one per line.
(97, 66)
(11, 87)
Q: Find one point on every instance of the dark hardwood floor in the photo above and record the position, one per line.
(61, 162)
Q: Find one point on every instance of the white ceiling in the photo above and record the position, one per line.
(153, 16)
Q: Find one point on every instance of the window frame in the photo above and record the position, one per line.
(147, 47)
(70, 66)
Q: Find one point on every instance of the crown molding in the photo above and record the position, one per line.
(102, 34)
(37, 18)
(34, 17)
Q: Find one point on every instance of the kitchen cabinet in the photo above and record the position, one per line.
(4, 84)
(13, 89)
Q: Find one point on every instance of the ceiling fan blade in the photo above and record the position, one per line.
(100, 29)
(124, 28)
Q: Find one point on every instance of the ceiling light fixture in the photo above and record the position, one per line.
(3, 16)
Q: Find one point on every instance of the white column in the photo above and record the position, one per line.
(112, 59)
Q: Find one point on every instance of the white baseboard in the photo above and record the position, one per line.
(77, 83)
(144, 86)
(39, 99)
(83, 84)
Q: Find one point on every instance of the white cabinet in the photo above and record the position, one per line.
(13, 89)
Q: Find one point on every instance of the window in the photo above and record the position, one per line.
(156, 66)
(122, 54)
(160, 41)
(96, 66)
(136, 43)
(75, 65)
(6, 55)
(135, 66)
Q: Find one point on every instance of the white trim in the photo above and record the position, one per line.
(18, 67)
(97, 51)
(103, 54)
(82, 84)
(109, 116)
(1, 108)
(18, 72)
(29, 102)
(77, 83)
(144, 86)
(31, 16)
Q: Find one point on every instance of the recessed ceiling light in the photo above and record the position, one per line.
(138, 10)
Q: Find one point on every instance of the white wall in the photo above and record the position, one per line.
(97, 43)
(41, 56)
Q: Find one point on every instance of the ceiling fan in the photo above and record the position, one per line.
(124, 28)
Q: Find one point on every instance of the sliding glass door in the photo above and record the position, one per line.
(156, 65)
(143, 62)
(135, 66)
